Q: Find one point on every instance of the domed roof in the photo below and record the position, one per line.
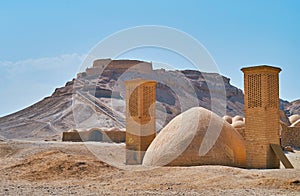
(294, 118)
(196, 137)
(237, 118)
(228, 119)
(72, 130)
(296, 124)
(238, 124)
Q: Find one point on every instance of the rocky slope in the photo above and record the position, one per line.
(292, 107)
(96, 99)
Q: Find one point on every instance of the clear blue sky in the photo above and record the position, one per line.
(43, 42)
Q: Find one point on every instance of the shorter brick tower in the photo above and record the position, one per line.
(140, 118)
(261, 85)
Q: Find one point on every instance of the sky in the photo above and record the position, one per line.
(42, 43)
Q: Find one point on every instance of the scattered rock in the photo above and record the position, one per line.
(289, 149)
(296, 182)
(56, 164)
(2, 139)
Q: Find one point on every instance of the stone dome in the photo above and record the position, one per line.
(238, 124)
(237, 118)
(197, 137)
(72, 130)
(228, 119)
(296, 124)
(294, 118)
(96, 129)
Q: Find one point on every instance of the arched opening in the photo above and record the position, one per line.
(96, 136)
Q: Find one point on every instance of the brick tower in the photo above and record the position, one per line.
(261, 85)
(140, 118)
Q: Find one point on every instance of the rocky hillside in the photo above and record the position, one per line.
(292, 107)
(96, 98)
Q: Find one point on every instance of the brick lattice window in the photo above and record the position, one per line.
(272, 82)
(254, 91)
(133, 103)
(148, 94)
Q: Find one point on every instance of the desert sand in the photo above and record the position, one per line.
(66, 168)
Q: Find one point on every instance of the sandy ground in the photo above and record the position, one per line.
(57, 168)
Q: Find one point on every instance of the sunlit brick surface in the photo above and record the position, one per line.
(140, 118)
(262, 115)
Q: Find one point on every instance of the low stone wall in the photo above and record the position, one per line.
(95, 135)
(93, 71)
(108, 67)
(115, 136)
(71, 137)
(290, 136)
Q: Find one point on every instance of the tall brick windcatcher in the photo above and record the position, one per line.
(140, 118)
(261, 85)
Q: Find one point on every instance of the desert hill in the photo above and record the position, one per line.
(95, 98)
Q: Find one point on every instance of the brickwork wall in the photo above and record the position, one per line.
(114, 136)
(71, 137)
(290, 136)
(140, 118)
(84, 136)
(261, 116)
(241, 131)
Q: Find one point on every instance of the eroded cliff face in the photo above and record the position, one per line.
(96, 98)
(172, 85)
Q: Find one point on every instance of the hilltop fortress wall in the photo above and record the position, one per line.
(103, 67)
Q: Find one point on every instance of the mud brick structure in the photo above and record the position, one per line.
(290, 136)
(115, 68)
(140, 118)
(94, 134)
(262, 115)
